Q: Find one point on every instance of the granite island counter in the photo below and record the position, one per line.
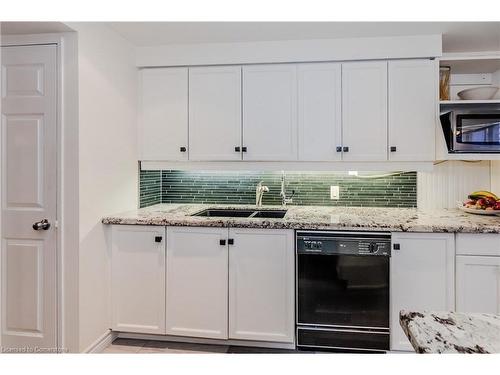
(452, 332)
(316, 218)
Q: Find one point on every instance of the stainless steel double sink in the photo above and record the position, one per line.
(243, 213)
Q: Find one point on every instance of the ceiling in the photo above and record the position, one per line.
(23, 28)
(457, 36)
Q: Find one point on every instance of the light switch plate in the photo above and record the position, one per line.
(334, 192)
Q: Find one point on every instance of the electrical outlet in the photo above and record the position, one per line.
(334, 192)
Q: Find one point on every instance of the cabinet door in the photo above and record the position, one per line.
(197, 272)
(478, 284)
(261, 285)
(319, 111)
(215, 113)
(413, 97)
(138, 279)
(163, 114)
(270, 112)
(422, 278)
(364, 111)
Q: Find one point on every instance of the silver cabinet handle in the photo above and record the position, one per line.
(41, 225)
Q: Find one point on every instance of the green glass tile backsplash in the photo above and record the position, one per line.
(149, 188)
(311, 188)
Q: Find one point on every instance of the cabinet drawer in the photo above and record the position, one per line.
(478, 244)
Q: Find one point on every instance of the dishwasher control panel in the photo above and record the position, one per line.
(348, 243)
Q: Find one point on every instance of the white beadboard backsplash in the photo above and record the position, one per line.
(450, 182)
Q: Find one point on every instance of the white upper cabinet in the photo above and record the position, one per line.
(319, 111)
(422, 278)
(197, 282)
(361, 111)
(270, 112)
(138, 278)
(215, 113)
(413, 97)
(163, 117)
(261, 285)
(364, 111)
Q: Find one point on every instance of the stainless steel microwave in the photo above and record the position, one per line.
(472, 131)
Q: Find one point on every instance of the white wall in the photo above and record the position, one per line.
(416, 46)
(450, 182)
(495, 177)
(107, 161)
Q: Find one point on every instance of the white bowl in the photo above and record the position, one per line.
(478, 93)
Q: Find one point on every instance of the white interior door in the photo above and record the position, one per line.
(270, 112)
(29, 181)
(364, 111)
(215, 113)
(319, 111)
(413, 96)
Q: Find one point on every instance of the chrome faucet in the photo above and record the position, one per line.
(259, 193)
(284, 198)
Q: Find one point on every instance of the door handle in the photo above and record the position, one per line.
(41, 225)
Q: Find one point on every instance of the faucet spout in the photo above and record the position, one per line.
(284, 198)
(259, 193)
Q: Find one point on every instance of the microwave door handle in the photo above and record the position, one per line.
(476, 127)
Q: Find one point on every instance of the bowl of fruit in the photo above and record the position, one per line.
(481, 203)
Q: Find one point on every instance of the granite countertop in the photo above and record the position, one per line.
(316, 217)
(451, 332)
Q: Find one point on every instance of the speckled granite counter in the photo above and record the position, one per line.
(450, 332)
(316, 217)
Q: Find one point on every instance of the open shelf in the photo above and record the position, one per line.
(472, 66)
(467, 157)
(490, 101)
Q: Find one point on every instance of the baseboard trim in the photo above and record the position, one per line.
(102, 342)
(193, 340)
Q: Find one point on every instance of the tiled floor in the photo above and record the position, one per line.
(128, 346)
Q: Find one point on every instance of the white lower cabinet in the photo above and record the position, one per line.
(422, 278)
(216, 283)
(478, 284)
(138, 278)
(261, 285)
(197, 273)
(478, 273)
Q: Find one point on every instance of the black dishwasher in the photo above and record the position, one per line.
(343, 290)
